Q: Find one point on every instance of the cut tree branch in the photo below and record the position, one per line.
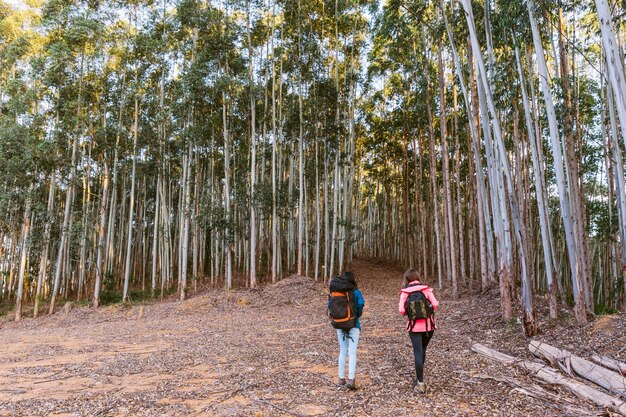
(552, 376)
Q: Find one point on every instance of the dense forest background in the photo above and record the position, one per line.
(147, 147)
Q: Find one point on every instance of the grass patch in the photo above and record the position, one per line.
(134, 296)
(107, 297)
(602, 310)
(6, 307)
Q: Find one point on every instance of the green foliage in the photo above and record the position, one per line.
(366, 74)
(135, 296)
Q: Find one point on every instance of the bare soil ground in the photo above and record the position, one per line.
(271, 352)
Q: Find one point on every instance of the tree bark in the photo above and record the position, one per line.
(101, 237)
(447, 198)
(564, 198)
(43, 262)
(539, 193)
(253, 221)
(23, 255)
(551, 376)
(590, 371)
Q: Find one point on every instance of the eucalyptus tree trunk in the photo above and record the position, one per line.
(198, 239)
(290, 173)
(447, 197)
(68, 284)
(573, 255)
(318, 217)
(614, 61)
(228, 243)
(264, 224)
(348, 175)
(143, 253)
(326, 214)
(65, 228)
(420, 212)
(253, 221)
(542, 176)
(530, 325)
(501, 223)
(572, 171)
(490, 261)
(539, 192)
(307, 222)
(498, 209)
(101, 236)
(300, 182)
(186, 212)
(161, 216)
(155, 237)
(333, 236)
(275, 219)
(460, 241)
(198, 253)
(615, 69)
(86, 209)
(433, 174)
(345, 200)
(281, 160)
(180, 218)
(131, 209)
(407, 252)
(10, 258)
(491, 59)
(351, 175)
(620, 188)
(613, 250)
(482, 197)
(43, 261)
(23, 255)
(165, 243)
(110, 245)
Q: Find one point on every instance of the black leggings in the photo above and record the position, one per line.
(420, 342)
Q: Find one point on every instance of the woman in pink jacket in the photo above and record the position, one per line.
(421, 330)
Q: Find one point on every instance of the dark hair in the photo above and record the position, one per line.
(411, 275)
(349, 276)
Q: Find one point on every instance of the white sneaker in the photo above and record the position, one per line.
(420, 387)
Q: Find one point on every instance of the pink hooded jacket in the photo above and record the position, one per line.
(422, 325)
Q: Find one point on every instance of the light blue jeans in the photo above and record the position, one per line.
(348, 343)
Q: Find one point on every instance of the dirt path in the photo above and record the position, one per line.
(254, 353)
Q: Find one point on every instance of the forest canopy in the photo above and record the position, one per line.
(147, 147)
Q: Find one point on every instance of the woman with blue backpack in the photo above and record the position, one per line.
(345, 306)
(418, 304)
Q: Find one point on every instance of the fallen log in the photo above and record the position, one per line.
(610, 363)
(551, 376)
(535, 391)
(588, 370)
